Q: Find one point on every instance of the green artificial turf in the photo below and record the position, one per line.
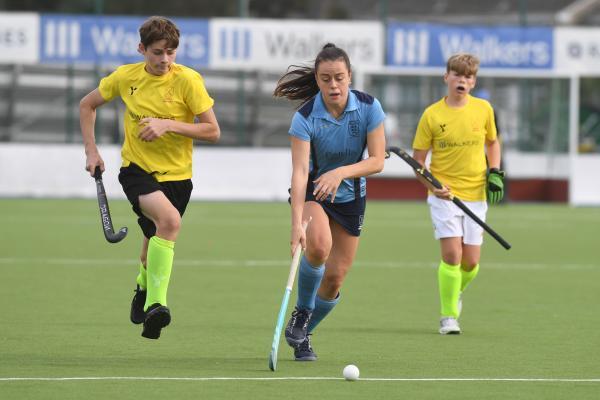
(532, 313)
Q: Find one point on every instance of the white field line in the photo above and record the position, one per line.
(277, 263)
(294, 378)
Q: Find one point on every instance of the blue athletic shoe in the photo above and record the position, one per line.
(304, 350)
(297, 327)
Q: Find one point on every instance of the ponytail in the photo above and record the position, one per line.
(297, 84)
(300, 83)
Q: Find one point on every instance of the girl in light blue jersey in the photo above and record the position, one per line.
(329, 133)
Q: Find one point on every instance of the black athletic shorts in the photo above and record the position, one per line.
(137, 182)
(349, 215)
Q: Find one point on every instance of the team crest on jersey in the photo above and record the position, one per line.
(169, 94)
(353, 128)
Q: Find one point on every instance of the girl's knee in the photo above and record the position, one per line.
(317, 253)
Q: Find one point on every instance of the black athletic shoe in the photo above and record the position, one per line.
(297, 327)
(138, 315)
(157, 317)
(304, 350)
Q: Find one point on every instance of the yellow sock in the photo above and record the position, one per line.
(467, 277)
(159, 264)
(449, 280)
(141, 278)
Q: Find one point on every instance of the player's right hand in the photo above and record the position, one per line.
(443, 193)
(298, 235)
(92, 161)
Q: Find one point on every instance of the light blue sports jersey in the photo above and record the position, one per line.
(338, 142)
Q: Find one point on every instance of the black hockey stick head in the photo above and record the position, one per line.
(116, 237)
(403, 155)
(107, 226)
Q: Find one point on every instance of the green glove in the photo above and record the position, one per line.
(495, 185)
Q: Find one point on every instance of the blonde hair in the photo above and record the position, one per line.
(463, 64)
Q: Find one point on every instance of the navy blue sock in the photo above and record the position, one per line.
(322, 308)
(309, 280)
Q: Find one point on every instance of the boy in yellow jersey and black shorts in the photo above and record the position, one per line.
(167, 107)
(460, 131)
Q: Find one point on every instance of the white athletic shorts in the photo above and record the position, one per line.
(450, 221)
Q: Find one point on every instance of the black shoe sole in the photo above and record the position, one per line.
(306, 358)
(156, 319)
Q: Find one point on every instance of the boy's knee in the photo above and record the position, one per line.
(170, 223)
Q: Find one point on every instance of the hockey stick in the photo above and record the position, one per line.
(284, 303)
(107, 225)
(422, 171)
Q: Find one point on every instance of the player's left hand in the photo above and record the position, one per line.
(495, 185)
(327, 185)
(152, 128)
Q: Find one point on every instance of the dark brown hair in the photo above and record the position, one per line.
(300, 83)
(159, 28)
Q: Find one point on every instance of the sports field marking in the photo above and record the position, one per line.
(279, 263)
(294, 378)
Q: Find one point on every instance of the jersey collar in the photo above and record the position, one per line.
(319, 110)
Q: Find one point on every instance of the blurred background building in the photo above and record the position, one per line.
(455, 11)
(536, 97)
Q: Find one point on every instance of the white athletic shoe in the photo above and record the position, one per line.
(449, 326)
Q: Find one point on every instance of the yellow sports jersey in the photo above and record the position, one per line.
(456, 137)
(178, 95)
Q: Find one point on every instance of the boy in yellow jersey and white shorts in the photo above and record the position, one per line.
(167, 108)
(460, 131)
